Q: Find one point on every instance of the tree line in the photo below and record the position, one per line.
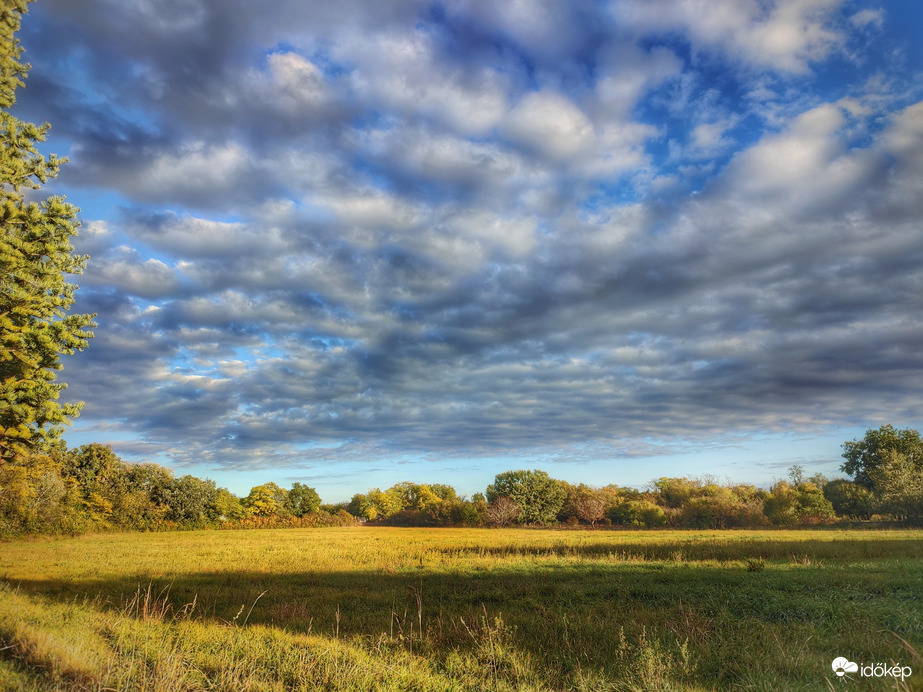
(91, 489)
(60, 491)
(886, 465)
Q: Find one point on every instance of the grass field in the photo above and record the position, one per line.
(460, 609)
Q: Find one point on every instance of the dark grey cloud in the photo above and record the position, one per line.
(359, 231)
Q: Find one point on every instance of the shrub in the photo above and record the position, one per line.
(640, 513)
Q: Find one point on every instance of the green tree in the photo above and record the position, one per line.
(95, 468)
(813, 507)
(850, 499)
(141, 496)
(865, 455)
(153, 480)
(538, 495)
(641, 513)
(190, 500)
(35, 257)
(302, 500)
(444, 492)
(719, 508)
(899, 485)
(781, 507)
(360, 506)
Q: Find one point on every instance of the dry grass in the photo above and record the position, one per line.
(443, 609)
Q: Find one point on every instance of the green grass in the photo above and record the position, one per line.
(460, 609)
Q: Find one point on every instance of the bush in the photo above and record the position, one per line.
(721, 511)
(788, 505)
(850, 499)
(640, 513)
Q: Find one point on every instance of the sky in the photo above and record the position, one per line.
(350, 244)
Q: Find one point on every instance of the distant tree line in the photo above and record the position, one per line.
(886, 465)
(91, 489)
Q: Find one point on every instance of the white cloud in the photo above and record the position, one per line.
(195, 170)
(94, 237)
(905, 135)
(124, 269)
(514, 235)
(708, 139)
(291, 85)
(784, 35)
(195, 237)
(802, 165)
(169, 16)
(441, 157)
(903, 140)
(550, 123)
(404, 72)
(868, 18)
(373, 210)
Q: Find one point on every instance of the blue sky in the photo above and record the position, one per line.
(356, 243)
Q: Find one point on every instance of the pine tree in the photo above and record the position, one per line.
(35, 257)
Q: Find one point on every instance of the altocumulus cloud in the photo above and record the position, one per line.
(362, 230)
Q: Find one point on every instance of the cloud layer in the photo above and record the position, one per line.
(366, 230)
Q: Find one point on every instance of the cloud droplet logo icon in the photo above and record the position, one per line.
(841, 666)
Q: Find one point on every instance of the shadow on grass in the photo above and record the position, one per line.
(572, 611)
(694, 548)
(526, 581)
(543, 602)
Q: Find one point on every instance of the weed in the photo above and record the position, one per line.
(756, 564)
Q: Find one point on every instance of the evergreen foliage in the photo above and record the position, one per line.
(35, 257)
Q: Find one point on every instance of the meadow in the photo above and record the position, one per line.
(373, 608)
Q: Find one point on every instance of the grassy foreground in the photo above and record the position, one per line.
(460, 609)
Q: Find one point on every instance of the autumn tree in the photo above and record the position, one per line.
(583, 503)
(36, 256)
(502, 511)
(266, 500)
(416, 496)
(804, 503)
(375, 504)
